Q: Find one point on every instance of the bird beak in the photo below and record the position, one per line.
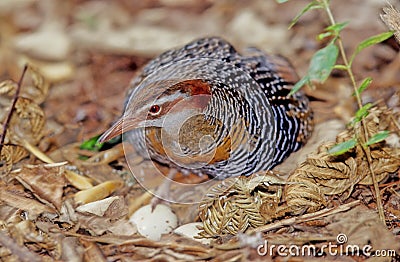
(123, 125)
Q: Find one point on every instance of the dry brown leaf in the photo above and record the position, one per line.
(140, 248)
(9, 155)
(27, 118)
(97, 226)
(71, 249)
(391, 17)
(324, 174)
(112, 207)
(16, 252)
(92, 252)
(32, 207)
(363, 227)
(238, 203)
(27, 122)
(8, 88)
(46, 182)
(97, 192)
(38, 89)
(78, 181)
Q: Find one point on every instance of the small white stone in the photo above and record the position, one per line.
(153, 224)
(49, 43)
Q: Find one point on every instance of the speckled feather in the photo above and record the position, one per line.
(270, 124)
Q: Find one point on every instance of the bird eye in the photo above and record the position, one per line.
(155, 109)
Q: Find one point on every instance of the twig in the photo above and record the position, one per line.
(304, 218)
(10, 112)
(35, 151)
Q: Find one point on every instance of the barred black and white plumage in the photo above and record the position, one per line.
(235, 112)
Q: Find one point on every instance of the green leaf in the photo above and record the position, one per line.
(322, 63)
(336, 28)
(321, 66)
(281, 1)
(369, 42)
(299, 85)
(343, 147)
(310, 6)
(373, 40)
(378, 137)
(91, 144)
(361, 113)
(367, 81)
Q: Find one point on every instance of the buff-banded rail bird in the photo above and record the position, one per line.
(209, 110)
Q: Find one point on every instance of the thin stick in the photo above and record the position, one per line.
(35, 151)
(10, 112)
(304, 218)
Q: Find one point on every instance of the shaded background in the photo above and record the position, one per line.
(91, 49)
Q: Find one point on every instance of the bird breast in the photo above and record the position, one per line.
(196, 142)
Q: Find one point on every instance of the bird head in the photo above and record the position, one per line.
(161, 104)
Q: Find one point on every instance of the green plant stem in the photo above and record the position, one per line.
(364, 133)
(343, 54)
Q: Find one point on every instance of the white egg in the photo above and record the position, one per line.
(153, 224)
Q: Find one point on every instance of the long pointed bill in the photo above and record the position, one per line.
(121, 126)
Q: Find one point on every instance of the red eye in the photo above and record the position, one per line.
(154, 109)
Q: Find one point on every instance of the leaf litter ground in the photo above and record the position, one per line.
(77, 205)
